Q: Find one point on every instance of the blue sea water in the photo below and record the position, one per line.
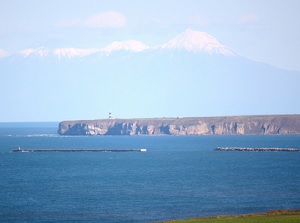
(178, 177)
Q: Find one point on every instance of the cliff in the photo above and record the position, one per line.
(233, 125)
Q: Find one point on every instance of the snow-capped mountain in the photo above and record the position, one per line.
(195, 41)
(129, 45)
(40, 52)
(190, 41)
(74, 52)
(58, 52)
(71, 52)
(189, 75)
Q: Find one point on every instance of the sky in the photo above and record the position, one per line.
(266, 31)
(261, 30)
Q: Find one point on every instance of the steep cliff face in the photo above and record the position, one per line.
(272, 124)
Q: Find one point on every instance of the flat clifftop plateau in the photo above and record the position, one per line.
(229, 125)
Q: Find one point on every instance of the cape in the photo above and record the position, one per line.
(226, 125)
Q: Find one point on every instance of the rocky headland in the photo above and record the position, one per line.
(226, 125)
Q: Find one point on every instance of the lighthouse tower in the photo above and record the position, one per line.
(109, 115)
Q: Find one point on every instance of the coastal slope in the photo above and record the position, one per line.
(229, 125)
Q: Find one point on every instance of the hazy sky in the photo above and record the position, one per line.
(262, 30)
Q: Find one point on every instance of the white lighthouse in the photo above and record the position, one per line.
(109, 115)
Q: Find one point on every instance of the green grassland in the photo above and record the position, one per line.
(277, 216)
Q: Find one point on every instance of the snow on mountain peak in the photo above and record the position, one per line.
(190, 40)
(73, 52)
(129, 45)
(40, 52)
(59, 52)
(195, 41)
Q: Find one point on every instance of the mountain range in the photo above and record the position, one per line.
(191, 75)
(190, 40)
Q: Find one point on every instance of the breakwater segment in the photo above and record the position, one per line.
(79, 150)
(257, 149)
(225, 125)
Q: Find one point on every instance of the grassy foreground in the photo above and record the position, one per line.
(277, 216)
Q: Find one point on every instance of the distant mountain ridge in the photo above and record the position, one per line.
(190, 40)
(191, 75)
(232, 125)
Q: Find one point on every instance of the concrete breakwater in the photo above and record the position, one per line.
(226, 125)
(257, 149)
(79, 150)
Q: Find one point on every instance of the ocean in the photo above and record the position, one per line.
(178, 177)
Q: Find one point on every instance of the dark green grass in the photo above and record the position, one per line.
(277, 216)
